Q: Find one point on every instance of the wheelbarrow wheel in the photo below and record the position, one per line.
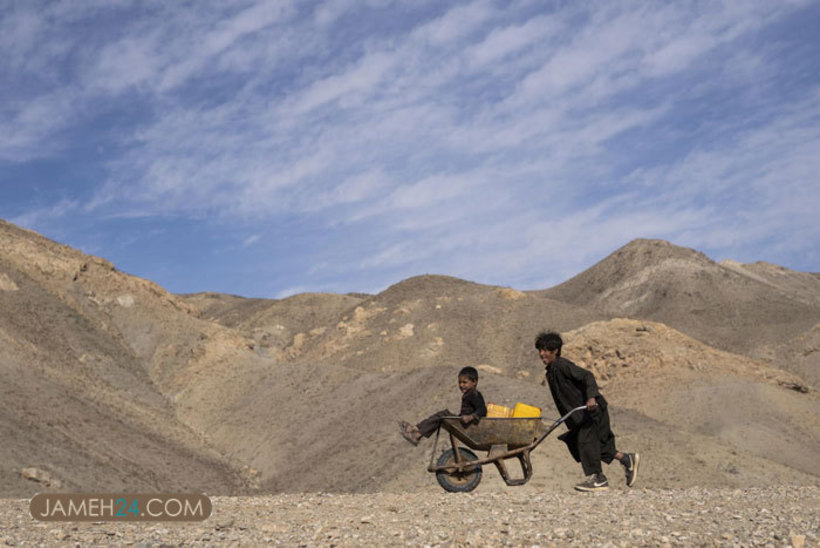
(458, 482)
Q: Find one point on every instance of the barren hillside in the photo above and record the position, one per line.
(234, 395)
(800, 355)
(740, 308)
(83, 350)
(420, 322)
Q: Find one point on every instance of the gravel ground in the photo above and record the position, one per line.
(781, 516)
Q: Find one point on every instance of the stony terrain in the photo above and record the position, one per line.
(785, 516)
(109, 383)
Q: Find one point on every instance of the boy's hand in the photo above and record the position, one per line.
(466, 419)
(591, 404)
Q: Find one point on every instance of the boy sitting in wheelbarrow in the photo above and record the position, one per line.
(472, 409)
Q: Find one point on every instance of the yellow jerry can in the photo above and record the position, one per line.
(523, 410)
(498, 411)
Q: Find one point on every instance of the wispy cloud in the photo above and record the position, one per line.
(464, 135)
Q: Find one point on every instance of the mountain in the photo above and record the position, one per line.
(109, 382)
(85, 363)
(427, 321)
(746, 309)
(419, 322)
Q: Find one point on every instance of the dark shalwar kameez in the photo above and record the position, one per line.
(589, 439)
(472, 403)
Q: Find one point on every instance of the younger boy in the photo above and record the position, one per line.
(472, 409)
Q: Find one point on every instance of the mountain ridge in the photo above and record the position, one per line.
(228, 394)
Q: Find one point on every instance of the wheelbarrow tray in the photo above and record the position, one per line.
(512, 432)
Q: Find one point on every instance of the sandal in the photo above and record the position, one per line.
(406, 426)
(410, 436)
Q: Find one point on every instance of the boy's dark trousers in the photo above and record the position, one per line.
(592, 441)
(428, 426)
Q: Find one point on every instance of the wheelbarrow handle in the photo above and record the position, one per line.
(568, 415)
(572, 412)
(555, 425)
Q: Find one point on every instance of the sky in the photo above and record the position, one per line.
(269, 147)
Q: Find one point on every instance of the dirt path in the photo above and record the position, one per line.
(782, 516)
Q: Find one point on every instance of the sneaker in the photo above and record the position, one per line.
(630, 463)
(595, 482)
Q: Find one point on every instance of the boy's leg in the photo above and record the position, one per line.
(428, 426)
(607, 451)
(589, 449)
(629, 461)
(584, 446)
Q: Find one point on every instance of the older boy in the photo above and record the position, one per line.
(472, 409)
(589, 439)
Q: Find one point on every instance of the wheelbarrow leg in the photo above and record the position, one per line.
(460, 461)
(523, 459)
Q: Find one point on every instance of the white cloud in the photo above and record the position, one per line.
(293, 290)
(27, 125)
(361, 187)
(431, 190)
(330, 11)
(250, 240)
(465, 137)
(457, 23)
(502, 43)
(39, 216)
(19, 33)
(198, 51)
(128, 62)
(363, 77)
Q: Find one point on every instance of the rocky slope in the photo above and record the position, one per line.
(113, 383)
(87, 356)
(640, 517)
(420, 322)
(734, 307)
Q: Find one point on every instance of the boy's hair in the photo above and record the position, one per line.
(549, 340)
(469, 372)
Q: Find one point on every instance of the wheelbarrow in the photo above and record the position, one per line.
(458, 469)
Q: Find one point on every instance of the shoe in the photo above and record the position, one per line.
(630, 462)
(595, 482)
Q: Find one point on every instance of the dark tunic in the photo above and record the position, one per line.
(472, 403)
(590, 439)
(571, 386)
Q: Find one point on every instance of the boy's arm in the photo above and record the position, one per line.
(475, 401)
(583, 376)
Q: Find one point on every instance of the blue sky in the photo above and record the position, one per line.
(265, 148)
